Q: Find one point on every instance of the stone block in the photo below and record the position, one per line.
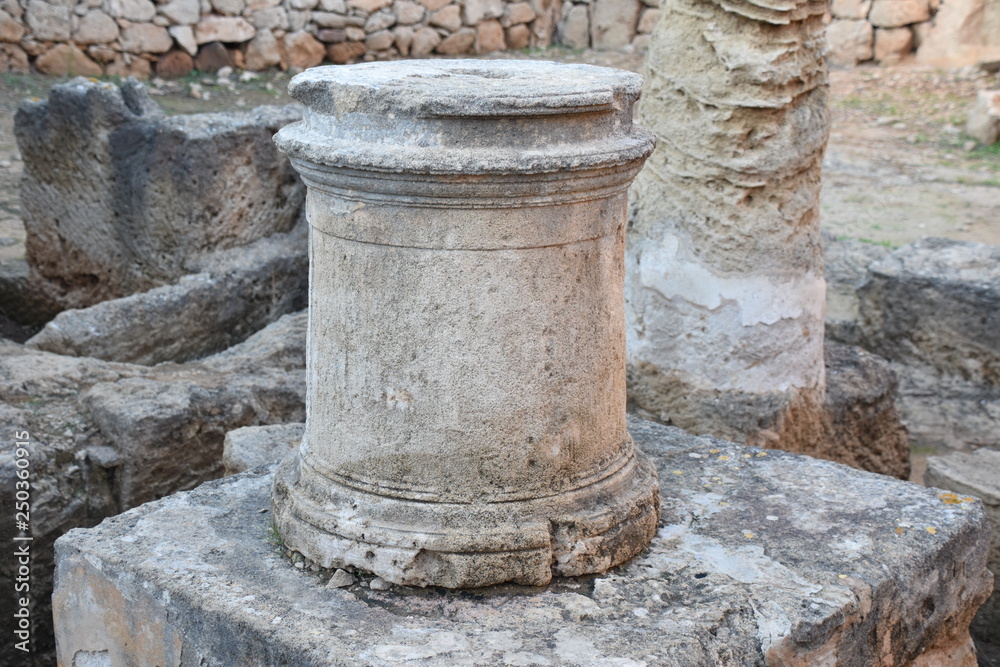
(850, 42)
(984, 118)
(230, 29)
(892, 44)
(976, 474)
(267, 19)
(183, 12)
(936, 303)
(130, 196)
(762, 557)
(174, 64)
(240, 292)
(345, 52)
(403, 39)
(368, 6)
(964, 32)
(184, 36)
(850, 9)
(253, 446)
(132, 10)
(408, 13)
(125, 65)
(425, 41)
(11, 29)
(212, 57)
(107, 436)
(898, 13)
(489, 37)
(457, 43)
(379, 41)
(380, 20)
(67, 60)
(574, 29)
(613, 23)
(519, 12)
(477, 10)
(263, 51)
(648, 20)
(302, 50)
(449, 18)
(518, 37)
(95, 27)
(48, 22)
(13, 59)
(140, 38)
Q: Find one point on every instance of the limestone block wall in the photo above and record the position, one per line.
(170, 37)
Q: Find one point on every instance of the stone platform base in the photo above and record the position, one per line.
(762, 557)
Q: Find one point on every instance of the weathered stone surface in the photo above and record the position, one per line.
(174, 64)
(263, 51)
(574, 30)
(236, 7)
(240, 291)
(519, 12)
(107, 436)
(13, 59)
(850, 42)
(125, 65)
(761, 558)
(95, 27)
(892, 44)
(897, 13)
(331, 20)
(964, 32)
(648, 20)
(267, 19)
(529, 429)
(253, 446)
(850, 9)
(725, 285)
(67, 60)
(48, 22)
(146, 38)
(368, 6)
(302, 50)
(976, 474)
(184, 12)
(20, 298)
(936, 302)
(131, 197)
(11, 30)
(223, 29)
(984, 118)
(403, 35)
(613, 22)
(458, 42)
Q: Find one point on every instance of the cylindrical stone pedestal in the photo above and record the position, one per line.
(466, 401)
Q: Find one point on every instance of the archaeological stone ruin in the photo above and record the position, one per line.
(487, 299)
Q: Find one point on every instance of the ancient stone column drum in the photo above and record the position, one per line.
(466, 353)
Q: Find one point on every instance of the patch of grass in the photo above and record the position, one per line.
(886, 244)
(274, 535)
(988, 182)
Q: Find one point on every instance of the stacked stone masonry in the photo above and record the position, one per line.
(172, 37)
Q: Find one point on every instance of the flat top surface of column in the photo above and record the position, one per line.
(466, 116)
(762, 556)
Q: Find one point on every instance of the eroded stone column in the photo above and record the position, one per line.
(726, 291)
(466, 401)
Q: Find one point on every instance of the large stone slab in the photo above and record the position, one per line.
(978, 474)
(762, 557)
(107, 436)
(936, 303)
(239, 292)
(117, 198)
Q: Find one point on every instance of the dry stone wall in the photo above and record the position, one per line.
(170, 37)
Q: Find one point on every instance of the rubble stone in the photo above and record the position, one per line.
(898, 13)
(892, 44)
(984, 118)
(67, 60)
(302, 50)
(223, 29)
(253, 446)
(850, 42)
(174, 64)
(964, 32)
(613, 23)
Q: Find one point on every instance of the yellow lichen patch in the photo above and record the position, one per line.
(724, 504)
(968, 499)
(748, 535)
(723, 458)
(746, 456)
(678, 472)
(932, 530)
(950, 499)
(760, 454)
(714, 451)
(899, 530)
(842, 576)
